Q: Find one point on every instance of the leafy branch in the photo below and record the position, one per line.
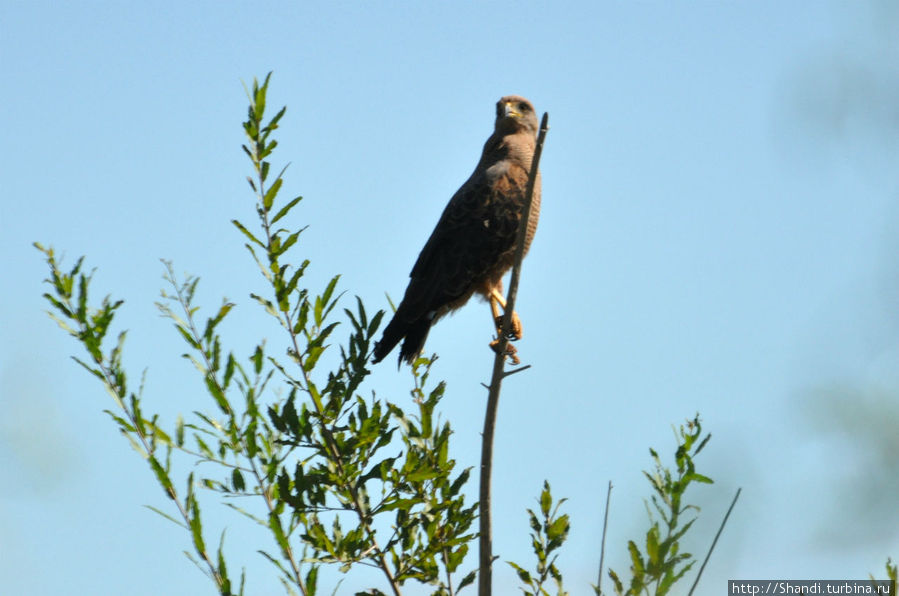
(656, 571)
(549, 531)
(90, 326)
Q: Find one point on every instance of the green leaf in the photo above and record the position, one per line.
(558, 530)
(326, 295)
(257, 359)
(237, 480)
(697, 477)
(274, 524)
(179, 431)
(229, 370)
(270, 194)
(652, 546)
(166, 515)
(250, 438)
(311, 580)
(216, 392)
(258, 107)
(523, 574)
(162, 477)
(619, 589)
(223, 568)
(214, 321)
(273, 123)
(196, 528)
(286, 209)
(59, 306)
(671, 578)
(636, 559)
(203, 447)
(124, 425)
(288, 242)
(467, 580)
(187, 337)
(546, 499)
(247, 233)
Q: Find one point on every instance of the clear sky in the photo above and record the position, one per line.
(718, 234)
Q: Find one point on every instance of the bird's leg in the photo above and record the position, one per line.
(497, 301)
(497, 306)
(497, 313)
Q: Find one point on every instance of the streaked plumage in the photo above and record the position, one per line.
(473, 243)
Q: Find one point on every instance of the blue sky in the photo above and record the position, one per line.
(717, 235)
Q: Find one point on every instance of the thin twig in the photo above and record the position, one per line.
(511, 372)
(602, 546)
(485, 538)
(449, 576)
(715, 541)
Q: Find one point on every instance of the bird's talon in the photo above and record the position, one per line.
(517, 330)
(511, 351)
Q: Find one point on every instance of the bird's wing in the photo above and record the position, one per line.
(460, 250)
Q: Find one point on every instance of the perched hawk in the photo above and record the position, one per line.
(473, 244)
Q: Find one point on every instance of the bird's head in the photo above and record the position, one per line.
(514, 113)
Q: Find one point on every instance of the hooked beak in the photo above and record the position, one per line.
(509, 110)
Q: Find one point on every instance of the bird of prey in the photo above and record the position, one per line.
(473, 243)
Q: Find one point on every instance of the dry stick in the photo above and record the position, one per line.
(602, 547)
(485, 562)
(715, 541)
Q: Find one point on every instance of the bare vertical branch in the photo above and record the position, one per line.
(485, 561)
(715, 541)
(602, 546)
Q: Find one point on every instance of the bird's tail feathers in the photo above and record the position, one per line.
(414, 343)
(387, 343)
(393, 333)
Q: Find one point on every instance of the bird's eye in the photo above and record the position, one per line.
(523, 107)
